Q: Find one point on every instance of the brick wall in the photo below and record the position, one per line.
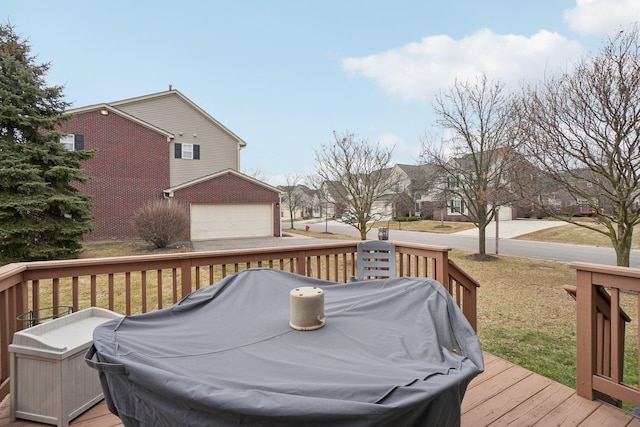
(230, 188)
(131, 167)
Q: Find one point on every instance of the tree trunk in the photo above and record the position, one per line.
(482, 238)
(622, 245)
(363, 232)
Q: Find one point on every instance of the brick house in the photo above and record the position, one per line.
(164, 147)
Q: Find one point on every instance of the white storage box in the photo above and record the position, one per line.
(50, 381)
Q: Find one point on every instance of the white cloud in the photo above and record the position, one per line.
(402, 153)
(389, 140)
(602, 16)
(418, 70)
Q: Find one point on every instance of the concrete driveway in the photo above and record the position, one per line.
(256, 242)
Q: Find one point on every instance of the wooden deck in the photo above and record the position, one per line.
(505, 394)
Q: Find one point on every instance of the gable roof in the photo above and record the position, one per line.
(171, 92)
(170, 191)
(109, 109)
(417, 171)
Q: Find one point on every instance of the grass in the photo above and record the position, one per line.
(577, 235)
(524, 314)
(444, 227)
(528, 320)
(113, 248)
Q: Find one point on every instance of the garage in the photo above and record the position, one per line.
(231, 220)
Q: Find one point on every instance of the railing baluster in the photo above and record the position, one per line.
(111, 292)
(74, 293)
(160, 288)
(127, 292)
(35, 295)
(94, 290)
(143, 290)
(616, 368)
(174, 285)
(55, 292)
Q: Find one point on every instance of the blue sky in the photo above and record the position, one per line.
(283, 75)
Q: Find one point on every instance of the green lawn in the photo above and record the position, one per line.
(571, 233)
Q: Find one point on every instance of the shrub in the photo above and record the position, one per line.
(406, 218)
(161, 222)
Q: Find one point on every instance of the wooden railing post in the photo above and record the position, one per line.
(13, 302)
(185, 277)
(442, 267)
(586, 356)
(301, 263)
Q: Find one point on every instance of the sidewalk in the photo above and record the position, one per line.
(514, 228)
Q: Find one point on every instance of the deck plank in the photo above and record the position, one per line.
(515, 396)
(572, 412)
(503, 395)
(607, 415)
(487, 389)
(529, 412)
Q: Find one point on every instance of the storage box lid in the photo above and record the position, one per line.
(65, 333)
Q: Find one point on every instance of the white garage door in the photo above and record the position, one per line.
(220, 221)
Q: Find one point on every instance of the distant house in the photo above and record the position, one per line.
(164, 147)
(413, 186)
(303, 200)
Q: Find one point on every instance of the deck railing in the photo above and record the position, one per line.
(138, 284)
(601, 292)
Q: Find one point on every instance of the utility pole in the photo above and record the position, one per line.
(497, 227)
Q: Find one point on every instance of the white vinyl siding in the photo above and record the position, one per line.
(217, 149)
(220, 221)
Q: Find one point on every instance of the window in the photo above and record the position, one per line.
(72, 142)
(187, 151)
(457, 206)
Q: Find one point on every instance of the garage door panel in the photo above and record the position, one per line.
(220, 221)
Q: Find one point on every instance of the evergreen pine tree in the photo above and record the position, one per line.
(42, 215)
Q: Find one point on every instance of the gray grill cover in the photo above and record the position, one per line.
(393, 352)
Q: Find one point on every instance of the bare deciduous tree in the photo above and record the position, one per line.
(477, 148)
(355, 172)
(583, 132)
(292, 196)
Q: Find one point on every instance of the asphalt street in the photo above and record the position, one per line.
(465, 240)
(468, 240)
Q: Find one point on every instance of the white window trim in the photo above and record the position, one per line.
(68, 141)
(187, 151)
